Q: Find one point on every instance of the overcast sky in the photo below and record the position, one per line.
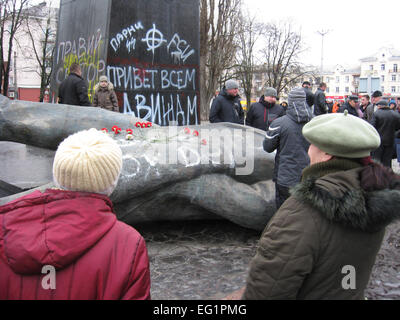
(357, 28)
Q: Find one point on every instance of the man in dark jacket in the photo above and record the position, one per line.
(309, 95)
(350, 106)
(66, 243)
(226, 107)
(364, 104)
(376, 97)
(284, 136)
(262, 113)
(386, 122)
(73, 90)
(320, 100)
(323, 242)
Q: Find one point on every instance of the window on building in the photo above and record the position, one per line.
(371, 67)
(383, 78)
(395, 68)
(394, 77)
(347, 79)
(347, 89)
(337, 89)
(393, 89)
(382, 67)
(327, 90)
(383, 89)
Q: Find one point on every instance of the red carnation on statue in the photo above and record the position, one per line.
(187, 130)
(138, 125)
(196, 133)
(116, 129)
(204, 142)
(149, 125)
(129, 131)
(105, 130)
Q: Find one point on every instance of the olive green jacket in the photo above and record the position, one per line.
(106, 98)
(327, 232)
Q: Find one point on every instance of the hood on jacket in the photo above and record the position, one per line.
(339, 197)
(52, 228)
(109, 87)
(298, 110)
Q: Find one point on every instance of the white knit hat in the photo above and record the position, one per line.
(88, 161)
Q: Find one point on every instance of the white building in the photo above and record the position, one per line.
(381, 71)
(341, 82)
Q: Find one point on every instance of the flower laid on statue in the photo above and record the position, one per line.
(204, 142)
(187, 130)
(129, 131)
(105, 130)
(116, 129)
(196, 133)
(143, 125)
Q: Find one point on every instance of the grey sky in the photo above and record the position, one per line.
(358, 28)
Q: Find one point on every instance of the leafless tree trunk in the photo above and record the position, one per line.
(218, 28)
(249, 33)
(281, 52)
(11, 19)
(42, 33)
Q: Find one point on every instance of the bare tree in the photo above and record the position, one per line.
(246, 62)
(11, 19)
(282, 48)
(41, 30)
(218, 23)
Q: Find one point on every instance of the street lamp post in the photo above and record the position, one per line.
(322, 33)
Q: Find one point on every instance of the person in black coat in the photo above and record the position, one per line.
(285, 136)
(350, 106)
(386, 122)
(73, 90)
(320, 100)
(226, 107)
(309, 95)
(262, 113)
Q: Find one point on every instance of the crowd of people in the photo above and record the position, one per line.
(335, 195)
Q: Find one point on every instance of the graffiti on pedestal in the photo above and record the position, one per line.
(87, 52)
(156, 92)
(148, 49)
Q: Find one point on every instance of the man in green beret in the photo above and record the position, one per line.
(323, 241)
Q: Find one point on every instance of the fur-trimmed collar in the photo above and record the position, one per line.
(339, 198)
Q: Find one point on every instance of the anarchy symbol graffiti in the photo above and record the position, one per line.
(154, 39)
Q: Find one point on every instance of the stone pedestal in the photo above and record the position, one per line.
(148, 49)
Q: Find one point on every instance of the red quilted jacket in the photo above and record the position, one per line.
(94, 256)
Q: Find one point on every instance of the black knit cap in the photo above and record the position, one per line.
(377, 94)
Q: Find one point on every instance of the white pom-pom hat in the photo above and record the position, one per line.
(88, 161)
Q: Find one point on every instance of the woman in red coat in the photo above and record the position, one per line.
(67, 243)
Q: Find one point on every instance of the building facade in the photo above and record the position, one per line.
(28, 51)
(381, 71)
(341, 83)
